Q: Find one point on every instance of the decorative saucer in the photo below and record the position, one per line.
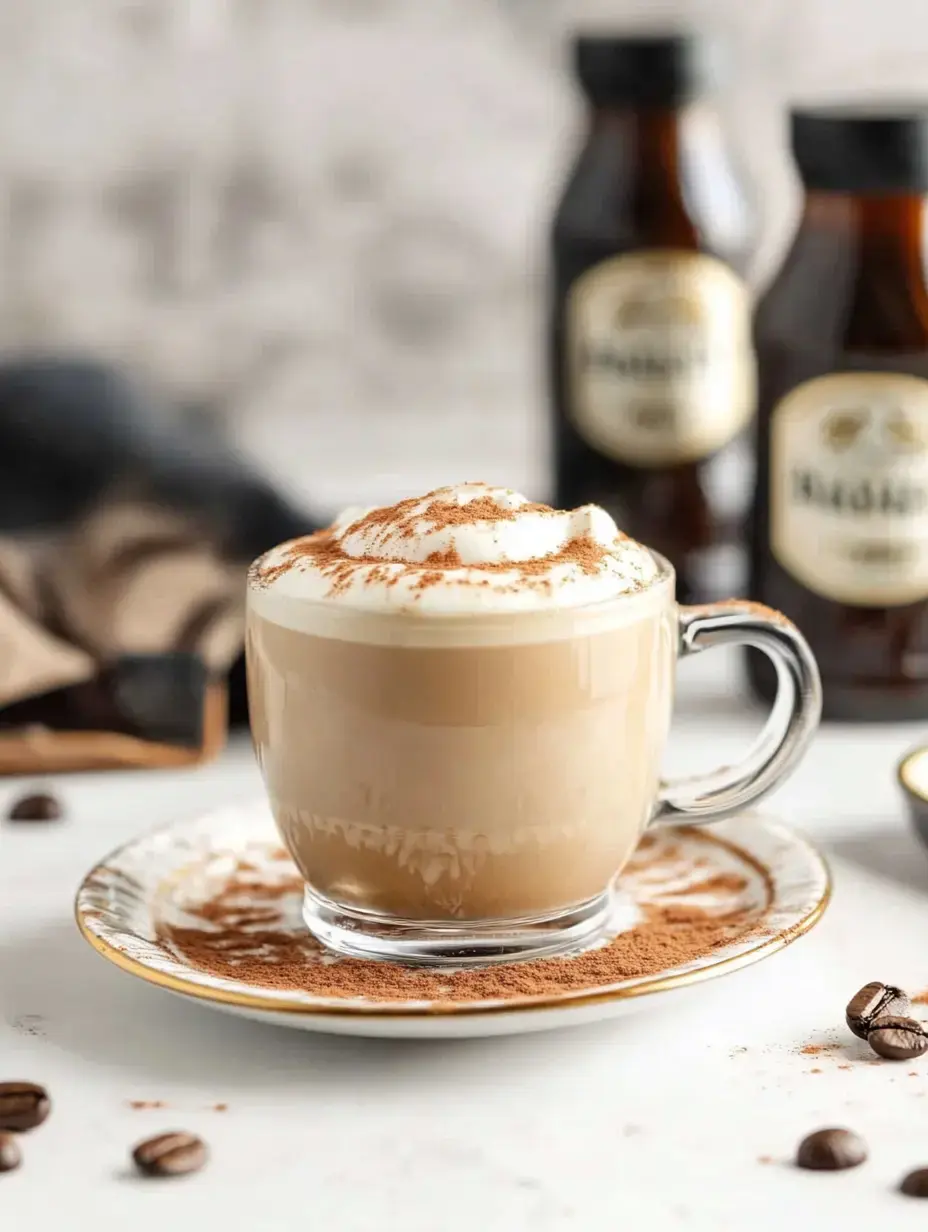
(210, 910)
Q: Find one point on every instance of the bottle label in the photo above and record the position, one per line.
(849, 487)
(661, 366)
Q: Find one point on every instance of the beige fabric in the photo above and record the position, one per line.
(130, 578)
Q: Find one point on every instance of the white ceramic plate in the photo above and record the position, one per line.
(127, 899)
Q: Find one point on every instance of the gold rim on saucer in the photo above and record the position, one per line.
(129, 881)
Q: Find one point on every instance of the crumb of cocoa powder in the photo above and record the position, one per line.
(921, 998)
(845, 1067)
(721, 883)
(765, 1159)
(813, 1050)
(815, 1071)
(220, 1107)
(440, 514)
(140, 1104)
(747, 607)
(235, 940)
(449, 559)
(659, 862)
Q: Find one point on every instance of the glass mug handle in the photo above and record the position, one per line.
(790, 725)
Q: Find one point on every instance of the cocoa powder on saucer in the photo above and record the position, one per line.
(245, 931)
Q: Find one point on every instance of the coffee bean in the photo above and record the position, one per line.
(897, 1039)
(874, 1001)
(171, 1154)
(10, 1154)
(23, 1105)
(40, 806)
(830, 1150)
(915, 1185)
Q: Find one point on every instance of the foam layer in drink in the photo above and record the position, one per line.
(463, 550)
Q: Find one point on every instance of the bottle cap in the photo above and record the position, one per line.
(645, 70)
(862, 147)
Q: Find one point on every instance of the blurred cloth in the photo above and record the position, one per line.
(128, 579)
(126, 527)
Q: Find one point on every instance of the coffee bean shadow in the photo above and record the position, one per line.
(894, 855)
(106, 1017)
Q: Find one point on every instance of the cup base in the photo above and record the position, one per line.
(363, 934)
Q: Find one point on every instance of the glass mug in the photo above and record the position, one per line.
(466, 789)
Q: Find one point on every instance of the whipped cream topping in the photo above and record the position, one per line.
(470, 548)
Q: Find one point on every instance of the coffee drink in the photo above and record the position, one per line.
(460, 704)
(398, 796)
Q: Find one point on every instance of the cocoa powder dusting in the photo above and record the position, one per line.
(236, 939)
(406, 519)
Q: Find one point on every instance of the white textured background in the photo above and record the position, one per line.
(330, 214)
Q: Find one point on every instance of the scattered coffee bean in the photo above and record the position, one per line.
(898, 1039)
(10, 1154)
(23, 1105)
(830, 1150)
(875, 1001)
(915, 1185)
(40, 806)
(173, 1154)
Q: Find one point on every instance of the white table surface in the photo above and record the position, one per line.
(658, 1121)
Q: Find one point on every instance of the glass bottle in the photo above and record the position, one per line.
(840, 527)
(652, 369)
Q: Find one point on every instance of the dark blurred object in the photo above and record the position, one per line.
(652, 365)
(840, 529)
(126, 527)
(37, 749)
(37, 806)
(149, 697)
(74, 431)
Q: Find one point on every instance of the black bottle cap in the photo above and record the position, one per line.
(644, 70)
(862, 147)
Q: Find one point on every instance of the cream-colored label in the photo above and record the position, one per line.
(661, 367)
(849, 487)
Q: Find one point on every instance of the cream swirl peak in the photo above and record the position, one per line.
(461, 549)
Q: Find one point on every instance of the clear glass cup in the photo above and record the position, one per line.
(467, 789)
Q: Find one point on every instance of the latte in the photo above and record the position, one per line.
(441, 712)
(460, 704)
